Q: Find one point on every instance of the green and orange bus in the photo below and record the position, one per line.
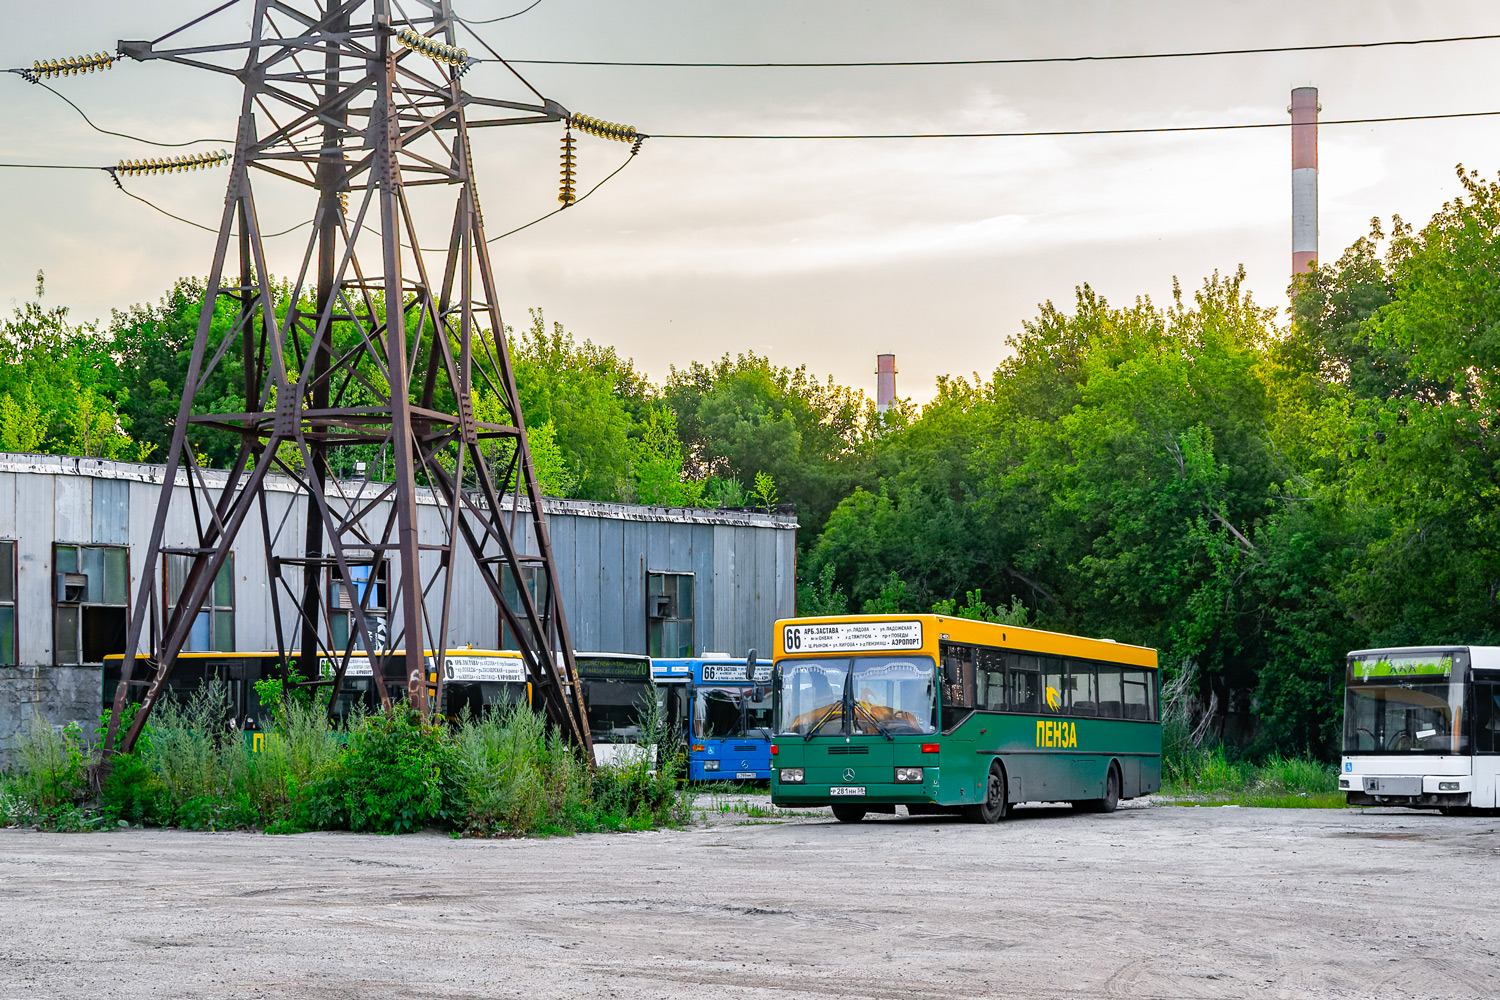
(946, 715)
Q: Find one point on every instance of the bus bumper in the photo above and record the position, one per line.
(924, 792)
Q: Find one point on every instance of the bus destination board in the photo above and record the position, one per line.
(501, 669)
(725, 672)
(841, 637)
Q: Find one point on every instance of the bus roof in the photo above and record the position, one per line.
(932, 629)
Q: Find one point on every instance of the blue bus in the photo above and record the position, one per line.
(727, 717)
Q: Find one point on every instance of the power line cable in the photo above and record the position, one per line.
(1066, 132)
(122, 135)
(628, 160)
(1018, 61)
(493, 20)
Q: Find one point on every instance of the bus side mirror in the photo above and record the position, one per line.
(950, 672)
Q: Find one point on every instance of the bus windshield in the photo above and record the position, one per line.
(888, 695)
(1405, 715)
(617, 709)
(722, 712)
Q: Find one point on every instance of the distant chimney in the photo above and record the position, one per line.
(885, 381)
(1304, 111)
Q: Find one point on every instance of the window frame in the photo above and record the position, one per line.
(655, 627)
(334, 594)
(59, 605)
(213, 608)
(15, 587)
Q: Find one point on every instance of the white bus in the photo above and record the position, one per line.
(1422, 727)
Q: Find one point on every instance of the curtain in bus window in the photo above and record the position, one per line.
(1083, 699)
(1052, 684)
(1135, 693)
(1024, 680)
(1111, 698)
(958, 676)
(989, 675)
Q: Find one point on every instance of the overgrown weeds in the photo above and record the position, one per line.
(1208, 776)
(504, 774)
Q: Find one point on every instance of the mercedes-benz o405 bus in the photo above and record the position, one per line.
(946, 715)
(728, 718)
(1422, 727)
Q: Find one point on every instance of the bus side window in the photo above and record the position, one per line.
(1053, 695)
(1486, 718)
(958, 675)
(989, 672)
(1083, 699)
(1024, 679)
(1135, 694)
(1111, 698)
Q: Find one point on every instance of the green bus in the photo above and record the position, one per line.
(947, 715)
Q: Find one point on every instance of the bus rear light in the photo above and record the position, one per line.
(908, 774)
(929, 748)
(791, 775)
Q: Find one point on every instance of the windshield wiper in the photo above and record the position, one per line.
(840, 706)
(837, 706)
(859, 706)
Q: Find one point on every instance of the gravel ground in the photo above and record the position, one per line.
(1147, 902)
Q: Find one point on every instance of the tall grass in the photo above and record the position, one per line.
(506, 773)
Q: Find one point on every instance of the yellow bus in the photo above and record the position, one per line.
(946, 715)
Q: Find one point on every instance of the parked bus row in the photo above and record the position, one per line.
(936, 714)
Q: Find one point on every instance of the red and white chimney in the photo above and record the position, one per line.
(1304, 111)
(885, 381)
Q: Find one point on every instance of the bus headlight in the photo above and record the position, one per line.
(1447, 786)
(710, 765)
(1344, 783)
(791, 775)
(908, 774)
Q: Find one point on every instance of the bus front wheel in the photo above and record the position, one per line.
(995, 804)
(848, 814)
(1111, 795)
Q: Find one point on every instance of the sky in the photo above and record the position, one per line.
(821, 254)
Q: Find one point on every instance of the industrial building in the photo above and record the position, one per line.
(663, 581)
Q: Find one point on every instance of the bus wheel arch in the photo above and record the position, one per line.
(996, 804)
(1112, 788)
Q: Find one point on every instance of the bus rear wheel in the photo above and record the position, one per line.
(995, 804)
(849, 814)
(1111, 795)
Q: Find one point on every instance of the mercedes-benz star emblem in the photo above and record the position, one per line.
(848, 774)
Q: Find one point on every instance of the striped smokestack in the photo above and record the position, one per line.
(885, 381)
(1304, 111)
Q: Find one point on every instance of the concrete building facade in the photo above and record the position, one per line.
(633, 579)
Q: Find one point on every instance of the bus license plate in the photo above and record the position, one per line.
(847, 790)
(744, 774)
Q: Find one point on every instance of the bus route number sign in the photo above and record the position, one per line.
(841, 637)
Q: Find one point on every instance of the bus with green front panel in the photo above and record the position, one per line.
(945, 715)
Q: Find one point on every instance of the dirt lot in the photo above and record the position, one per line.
(1148, 902)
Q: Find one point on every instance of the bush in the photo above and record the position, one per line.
(514, 775)
(389, 780)
(52, 776)
(132, 792)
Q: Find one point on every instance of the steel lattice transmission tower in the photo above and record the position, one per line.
(366, 344)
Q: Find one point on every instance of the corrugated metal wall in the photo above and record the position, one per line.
(742, 564)
(743, 567)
